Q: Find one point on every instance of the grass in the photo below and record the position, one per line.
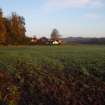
(82, 57)
(52, 75)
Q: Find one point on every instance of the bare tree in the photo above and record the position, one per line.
(55, 35)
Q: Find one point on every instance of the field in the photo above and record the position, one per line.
(52, 75)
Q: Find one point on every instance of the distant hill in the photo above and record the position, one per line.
(81, 40)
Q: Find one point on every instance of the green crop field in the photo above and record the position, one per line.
(52, 75)
(85, 58)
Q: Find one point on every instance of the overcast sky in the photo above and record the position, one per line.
(71, 17)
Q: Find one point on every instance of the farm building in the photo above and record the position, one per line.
(57, 42)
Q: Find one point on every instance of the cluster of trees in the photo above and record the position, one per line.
(40, 41)
(12, 32)
(12, 29)
(55, 37)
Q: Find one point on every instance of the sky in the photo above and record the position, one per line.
(74, 18)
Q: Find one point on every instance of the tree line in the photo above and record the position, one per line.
(13, 32)
(12, 29)
(55, 38)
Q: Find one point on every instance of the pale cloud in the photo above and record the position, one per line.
(91, 16)
(67, 3)
(62, 4)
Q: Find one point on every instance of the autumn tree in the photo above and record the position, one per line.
(17, 24)
(2, 29)
(12, 29)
